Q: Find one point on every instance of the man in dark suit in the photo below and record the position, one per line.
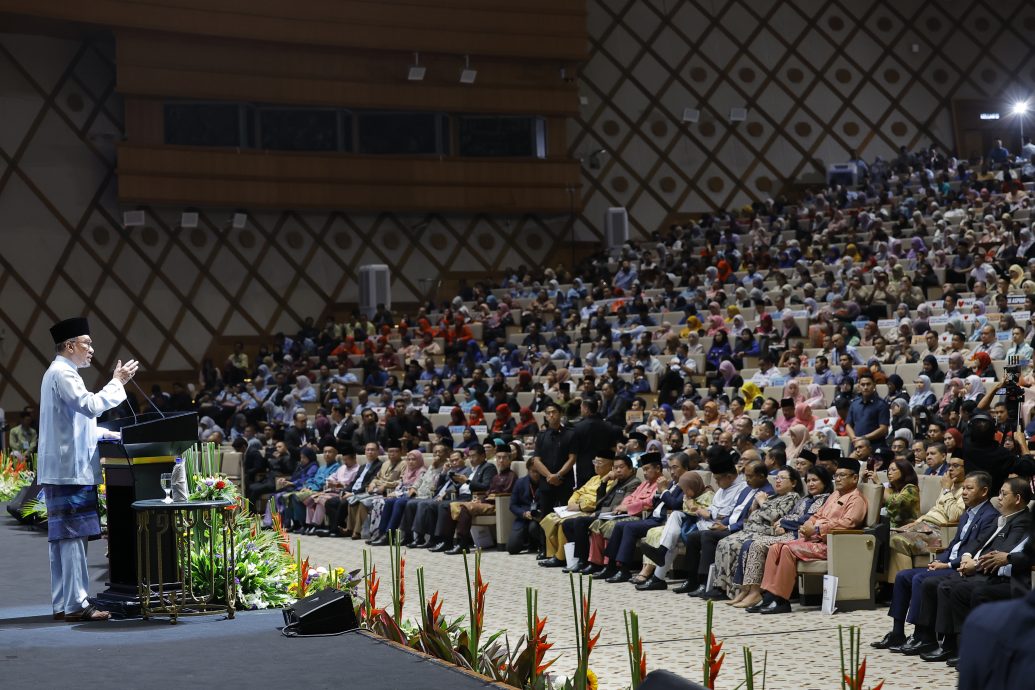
(997, 639)
(907, 600)
(987, 567)
(482, 472)
(614, 406)
(576, 529)
(338, 508)
(299, 434)
(621, 545)
(525, 532)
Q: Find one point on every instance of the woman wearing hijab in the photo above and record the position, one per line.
(794, 440)
(303, 390)
(922, 396)
(727, 376)
(792, 390)
(956, 368)
(413, 471)
(983, 367)
(975, 390)
(469, 439)
(900, 416)
(747, 346)
(716, 325)
(750, 393)
(751, 561)
(718, 352)
(696, 495)
(803, 416)
(931, 369)
(476, 417)
(527, 426)
(814, 397)
(504, 422)
(765, 514)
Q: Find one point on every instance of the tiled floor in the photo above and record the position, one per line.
(802, 646)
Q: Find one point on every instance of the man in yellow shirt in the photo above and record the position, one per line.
(582, 502)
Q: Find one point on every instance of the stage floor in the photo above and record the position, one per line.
(205, 651)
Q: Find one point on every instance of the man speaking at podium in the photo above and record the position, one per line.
(69, 465)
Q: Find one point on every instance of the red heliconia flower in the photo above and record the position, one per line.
(436, 607)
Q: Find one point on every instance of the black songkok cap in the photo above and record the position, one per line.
(652, 458)
(69, 328)
(848, 464)
(829, 453)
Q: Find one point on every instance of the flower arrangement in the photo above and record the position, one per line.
(214, 488)
(264, 570)
(15, 475)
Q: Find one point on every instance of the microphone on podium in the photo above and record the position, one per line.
(148, 398)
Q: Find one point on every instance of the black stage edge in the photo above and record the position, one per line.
(205, 651)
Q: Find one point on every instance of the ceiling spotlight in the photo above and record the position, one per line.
(416, 71)
(1020, 108)
(691, 114)
(468, 75)
(738, 114)
(239, 220)
(189, 219)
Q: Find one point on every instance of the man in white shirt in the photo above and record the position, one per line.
(69, 464)
(990, 344)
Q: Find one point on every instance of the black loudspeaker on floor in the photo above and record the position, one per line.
(327, 612)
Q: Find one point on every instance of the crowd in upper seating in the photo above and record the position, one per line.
(716, 400)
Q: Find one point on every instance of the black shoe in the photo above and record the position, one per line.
(441, 546)
(897, 648)
(655, 553)
(757, 608)
(539, 555)
(551, 563)
(374, 537)
(953, 661)
(939, 653)
(406, 541)
(651, 584)
(620, 576)
(589, 569)
(609, 571)
(579, 565)
(698, 592)
(918, 647)
(684, 588)
(324, 533)
(456, 550)
(380, 541)
(777, 607)
(888, 641)
(714, 595)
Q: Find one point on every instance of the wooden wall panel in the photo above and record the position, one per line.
(213, 177)
(186, 67)
(495, 27)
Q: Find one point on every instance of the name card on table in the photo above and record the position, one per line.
(887, 323)
(938, 320)
(1021, 316)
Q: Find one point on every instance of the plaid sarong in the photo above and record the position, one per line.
(71, 511)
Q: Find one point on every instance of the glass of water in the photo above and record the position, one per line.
(166, 480)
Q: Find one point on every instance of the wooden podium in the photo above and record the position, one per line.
(132, 471)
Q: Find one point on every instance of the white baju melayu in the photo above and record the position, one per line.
(68, 457)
